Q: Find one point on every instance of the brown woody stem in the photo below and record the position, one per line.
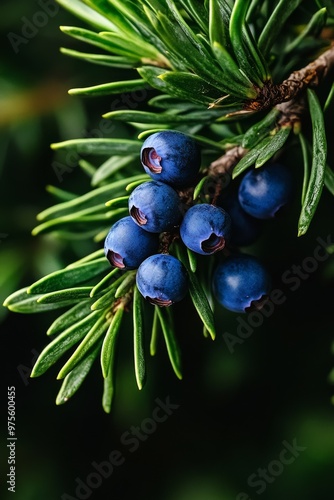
(309, 76)
(286, 97)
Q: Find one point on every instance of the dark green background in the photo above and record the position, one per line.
(235, 410)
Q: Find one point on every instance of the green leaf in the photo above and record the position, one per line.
(110, 167)
(260, 129)
(111, 12)
(151, 75)
(197, 293)
(198, 12)
(192, 260)
(304, 147)
(75, 226)
(162, 118)
(94, 146)
(75, 378)
(191, 53)
(138, 339)
(96, 214)
(201, 304)
(213, 145)
(109, 386)
(110, 88)
(262, 151)
(102, 285)
(276, 142)
(108, 346)
(249, 159)
(330, 98)
(70, 317)
(75, 236)
(87, 167)
(275, 24)
(96, 331)
(121, 201)
(192, 48)
(189, 87)
(95, 39)
(242, 87)
(182, 19)
(21, 302)
(124, 45)
(126, 284)
(220, 13)
(168, 102)
(313, 28)
(107, 299)
(172, 344)
(94, 256)
(125, 62)
(94, 199)
(69, 276)
(329, 179)
(137, 16)
(219, 18)
(134, 184)
(90, 16)
(126, 115)
(67, 339)
(178, 36)
(318, 168)
(154, 333)
(198, 188)
(143, 135)
(248, 55)
(73, 294)
(328, 4)
(60, 194)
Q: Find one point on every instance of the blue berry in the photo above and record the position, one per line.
(127, 245)
(205, 228)
(240, 281)
(245, 229)
(263, 191)
(162, 280)
(172, 157)
(155, 206)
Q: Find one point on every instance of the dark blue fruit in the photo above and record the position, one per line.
(205, 228)
(245, 229)
(155, 207)
(172, 157)
(263, 191)
(127, 245)
(240, 281)
(162, 280)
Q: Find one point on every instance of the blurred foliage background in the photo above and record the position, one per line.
(235, 410)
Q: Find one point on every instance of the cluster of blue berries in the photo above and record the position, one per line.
(172, 160)
(156, 209)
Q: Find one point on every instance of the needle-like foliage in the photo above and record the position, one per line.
(241, 77)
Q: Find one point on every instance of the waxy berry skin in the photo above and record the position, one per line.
(172, 157)
(162, 280)
(155, 207)
(263, 191)
(127, 245)
(205, 228)
(240, 281)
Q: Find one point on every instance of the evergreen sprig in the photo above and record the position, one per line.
(241, 79)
